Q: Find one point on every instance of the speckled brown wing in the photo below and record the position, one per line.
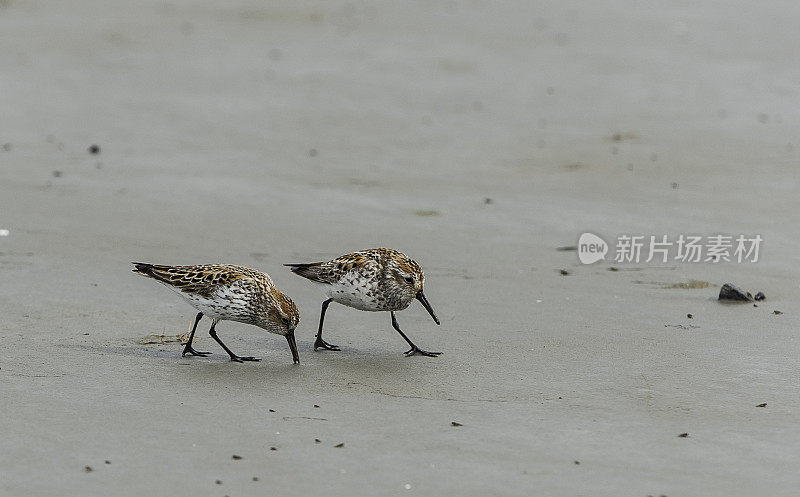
(201, 280)
(321, 272)
(331, 271)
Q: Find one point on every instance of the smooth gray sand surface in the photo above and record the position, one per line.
(261, 133)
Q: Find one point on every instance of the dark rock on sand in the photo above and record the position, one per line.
(732, 292)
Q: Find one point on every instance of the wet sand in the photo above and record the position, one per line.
(260, 135)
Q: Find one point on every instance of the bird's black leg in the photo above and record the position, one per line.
(414, 349)
(234, 357)
(187, 349)
(319, 342)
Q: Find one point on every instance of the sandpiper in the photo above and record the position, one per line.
(379, 279)
(235, 293)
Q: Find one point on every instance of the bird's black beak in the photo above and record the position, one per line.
(293, 347)
(424, 301)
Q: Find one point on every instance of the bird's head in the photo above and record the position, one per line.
(282, 319)
(407, 282)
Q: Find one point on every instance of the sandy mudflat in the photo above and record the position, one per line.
(260, 133)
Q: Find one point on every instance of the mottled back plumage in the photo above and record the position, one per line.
(236, 293)
(201, 279)
(225, 291)
(381, 279)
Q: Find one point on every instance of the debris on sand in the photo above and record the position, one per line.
(684, 435)
(762, 405)
(159, 339)
(624, 135)
(455, 423)
(681, 326)
(567, 248)
(94, 149)
(687, 285)
(564, 272)
(236, 457)
(730, 291)
(689, 316)
(339, 446)
(777, 312)
(88, 469)
(760, 296)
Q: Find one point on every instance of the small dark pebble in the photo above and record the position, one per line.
(339, 446)
(455, 423)
(57, 174)
(255, 478)
(317, 441)
(272, 410)
(315, 405)
(107, 461)
(759, 296)
(689, 316)
(732, 292)
(559, 398)
(577, 462)
(762, 405)
(312, 152)
(564, 272)
(94, 149)
(218, 482)
(683, 435)
(88, 469)
(777, 312)
(568, 248)
(487, 201)
(236, 457)
(612, 268)
(273, 448)
(7, 147)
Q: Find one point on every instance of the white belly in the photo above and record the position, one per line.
(224, 304)
(356, 293)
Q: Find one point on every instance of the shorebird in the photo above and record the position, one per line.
(225, 292)
(379, 279)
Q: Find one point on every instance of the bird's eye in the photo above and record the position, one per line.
(285, 321)
(409, 280)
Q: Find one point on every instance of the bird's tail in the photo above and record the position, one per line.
(147, 270)
(311, 271)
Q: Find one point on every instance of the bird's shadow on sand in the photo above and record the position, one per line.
(316, 367)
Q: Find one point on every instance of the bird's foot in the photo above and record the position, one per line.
(320, 343)
(418, 351)
(236, 358)
(189, 350)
